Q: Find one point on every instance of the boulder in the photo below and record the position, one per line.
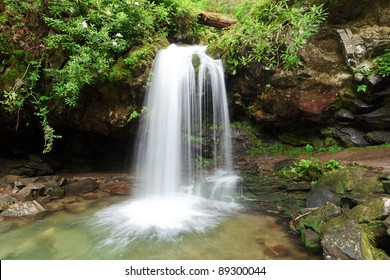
(354, 235)
(310, 224)
(351, 136)
(26, 208)
(378, 137)
(81, 186)
(311, 240)
(46, 190)
(344, 241)
(319, 196)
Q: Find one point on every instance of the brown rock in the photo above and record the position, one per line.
(82, 186)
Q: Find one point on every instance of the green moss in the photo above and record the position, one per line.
(342, 180)
(369, 251)
(368, 185)
(11, 74)
(118, 72)
(367, 212)
(316, 219)
(18, 54)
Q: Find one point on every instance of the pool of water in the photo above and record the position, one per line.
(72, 234)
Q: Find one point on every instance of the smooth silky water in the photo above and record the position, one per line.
(69, 234)
(185, 202)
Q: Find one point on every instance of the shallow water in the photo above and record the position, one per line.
(70, 234)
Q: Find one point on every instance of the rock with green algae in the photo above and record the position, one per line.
(310, 224)
(354, 234)
(372, 210)
(333, 186)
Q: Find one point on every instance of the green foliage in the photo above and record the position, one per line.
(135, 114)
(310, 169)
(85, 39)
(382, 63)
(270, 32)
(309, 148)
(362, 88)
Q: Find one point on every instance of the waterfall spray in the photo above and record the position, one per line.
(186, 181)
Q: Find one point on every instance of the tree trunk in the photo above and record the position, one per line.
(215, 20)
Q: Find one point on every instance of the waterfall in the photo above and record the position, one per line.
(186, 127)
(183, 163)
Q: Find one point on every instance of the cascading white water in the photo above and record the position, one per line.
(186, 108)
(186, 129)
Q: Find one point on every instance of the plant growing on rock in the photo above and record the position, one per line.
(310, 169)
(53, 49)
(270, 32)
(382, 63)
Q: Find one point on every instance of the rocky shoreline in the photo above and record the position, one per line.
(30, 188)
(344, 215)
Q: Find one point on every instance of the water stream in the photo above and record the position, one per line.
(184, 161)
(69, 234)
(185, 205)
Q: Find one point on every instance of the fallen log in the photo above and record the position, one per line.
(215, 20)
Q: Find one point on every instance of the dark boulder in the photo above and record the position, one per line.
(81, 186)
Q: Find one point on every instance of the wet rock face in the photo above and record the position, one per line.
(324, 91)
(341, 11)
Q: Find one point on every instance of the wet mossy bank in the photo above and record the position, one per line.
(343, 215)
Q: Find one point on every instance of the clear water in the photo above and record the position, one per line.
(180, 209)
(70, 234)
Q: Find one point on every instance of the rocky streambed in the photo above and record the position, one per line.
(343, 215)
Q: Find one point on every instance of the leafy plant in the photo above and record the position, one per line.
(362, 88)
(78, 44)
(382, 63)
(270, 32)
(310, 169)
(309, 148)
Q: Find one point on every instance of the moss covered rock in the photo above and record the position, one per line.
(310, 224)
(354, 235)
(347, 182)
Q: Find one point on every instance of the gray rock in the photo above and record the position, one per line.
(19, 209)
(378, 137)
(377, 119)
(354, 48)
(342, 242)
(81, 186)
(344, 115)
(31, 191)
(351, 136)
(5, 201)
(319, 196)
